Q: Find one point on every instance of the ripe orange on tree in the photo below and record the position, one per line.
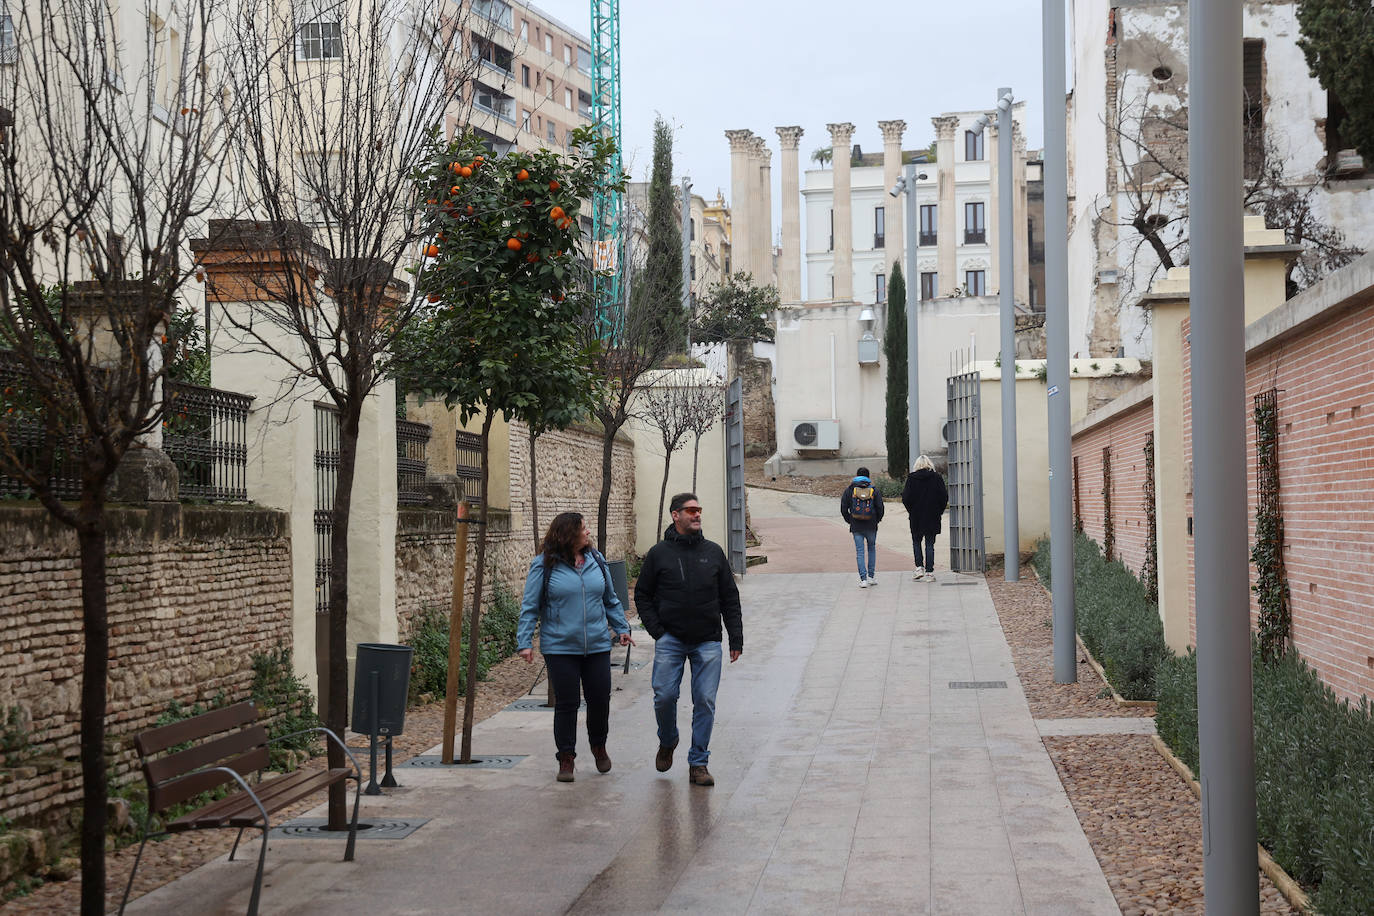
(553, 185)
(523, 175)
(513, 244)
(467, 170)
(432, 251)
(556, 213)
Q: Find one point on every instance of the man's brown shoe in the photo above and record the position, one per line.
(603, 759)
(663, 760)
(565, 767)
(701, 776)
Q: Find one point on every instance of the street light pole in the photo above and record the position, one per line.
(1056, 172)
(913, 301)
(1215, 209)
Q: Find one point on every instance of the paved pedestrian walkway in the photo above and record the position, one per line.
(873, 753)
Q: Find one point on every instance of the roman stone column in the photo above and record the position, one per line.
(892, 170)
(945, 127)
(840, 136)
(741, 223)
(764, 270)
(789, 258)
(1020, 230)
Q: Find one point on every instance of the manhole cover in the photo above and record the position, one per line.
(977, 685)
(488, 762)
(531, 704)
(312, 828)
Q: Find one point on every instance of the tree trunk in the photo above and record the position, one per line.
(663, 489)
(534, 490)
(475, 613)
(90, 535)
(604, 503)
(696, 451)
(337, 718)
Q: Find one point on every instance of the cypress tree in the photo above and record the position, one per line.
(894, 348)
(660, 290)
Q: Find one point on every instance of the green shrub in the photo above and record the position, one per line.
(1118, 622)
(889, 488)
(1314, 786)
(428, 636)
(284, 700)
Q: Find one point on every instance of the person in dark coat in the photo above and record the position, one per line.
(686, 595)
(861, 505)
(925, 498)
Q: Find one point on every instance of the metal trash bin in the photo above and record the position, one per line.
(391, 664)
(620, 582)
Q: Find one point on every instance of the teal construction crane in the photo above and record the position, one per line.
(609, 245)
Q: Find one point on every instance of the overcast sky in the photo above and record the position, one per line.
(716, 65)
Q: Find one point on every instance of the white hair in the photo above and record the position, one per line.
(923, 464)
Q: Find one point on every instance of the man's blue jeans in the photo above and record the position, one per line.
(860, 539)
(670, 657)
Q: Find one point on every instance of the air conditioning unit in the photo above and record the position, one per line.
(1349, 162)
(817, 434)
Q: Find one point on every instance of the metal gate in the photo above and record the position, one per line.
(965, 434)
(326, 477)
(734, 473)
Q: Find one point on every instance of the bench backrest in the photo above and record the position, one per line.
(229, 737)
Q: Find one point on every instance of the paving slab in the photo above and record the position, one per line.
(850, 778)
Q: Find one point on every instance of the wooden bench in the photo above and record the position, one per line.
(228, 745)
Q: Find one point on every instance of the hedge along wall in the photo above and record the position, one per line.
(1125, 432)
(569, 480)
(194, 592)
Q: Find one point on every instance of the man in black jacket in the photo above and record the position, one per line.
(685, 590)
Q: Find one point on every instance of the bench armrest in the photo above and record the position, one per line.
(332, 736)
(243, 784)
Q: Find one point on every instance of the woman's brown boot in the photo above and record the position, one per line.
(603, 759)
(565, 766)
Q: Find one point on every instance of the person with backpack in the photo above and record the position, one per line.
(861, 505)
(925, 496)
(569, 594)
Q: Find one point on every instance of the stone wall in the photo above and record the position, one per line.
(760, 419)
(194, 592)
(569, 480)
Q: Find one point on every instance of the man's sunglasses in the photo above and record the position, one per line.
(691, 510)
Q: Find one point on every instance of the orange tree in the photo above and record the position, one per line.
(497, 330)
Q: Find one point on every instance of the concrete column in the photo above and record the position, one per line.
(840, 137)
(741, 249)
(892, 169)
(1020, 228)
(994, 209)
(945, 127)
(789, 259)
(767, 272)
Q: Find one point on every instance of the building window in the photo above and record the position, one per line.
(9, 43)
(1254, 107)
(832, 286)
(928, 234)
(584, 60)
(525, 120)
(567, 98)
(548, 89)
(567, 55)
(497, 11)
(525, 30)
(973, 146)
(930, 285)
(320, 40)
(879, 228)
(975, 229)
(493, 55)
(830, 246)
(548, 44)
(691, 230)
(694, 270)
(976, 282)
(584, 104)
(552, 132)
(880, 288)
(525, 75)
(497, 103)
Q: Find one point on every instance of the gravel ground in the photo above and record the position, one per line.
(1143, 822)
(174, 856)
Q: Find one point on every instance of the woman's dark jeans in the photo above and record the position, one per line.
(929, 541)
(592, 674)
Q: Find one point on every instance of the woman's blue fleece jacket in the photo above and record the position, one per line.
(581, 612)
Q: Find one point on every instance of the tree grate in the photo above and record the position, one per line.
(312, 828)
(977, 685)
(533, 704)
(487, 762)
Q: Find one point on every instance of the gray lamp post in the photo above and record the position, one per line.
(1011, 523)
(907, 183)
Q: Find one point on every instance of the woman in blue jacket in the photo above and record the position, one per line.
(568, 592)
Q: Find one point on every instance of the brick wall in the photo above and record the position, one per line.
(569, 480)
(1125, 434)
(193, 591)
